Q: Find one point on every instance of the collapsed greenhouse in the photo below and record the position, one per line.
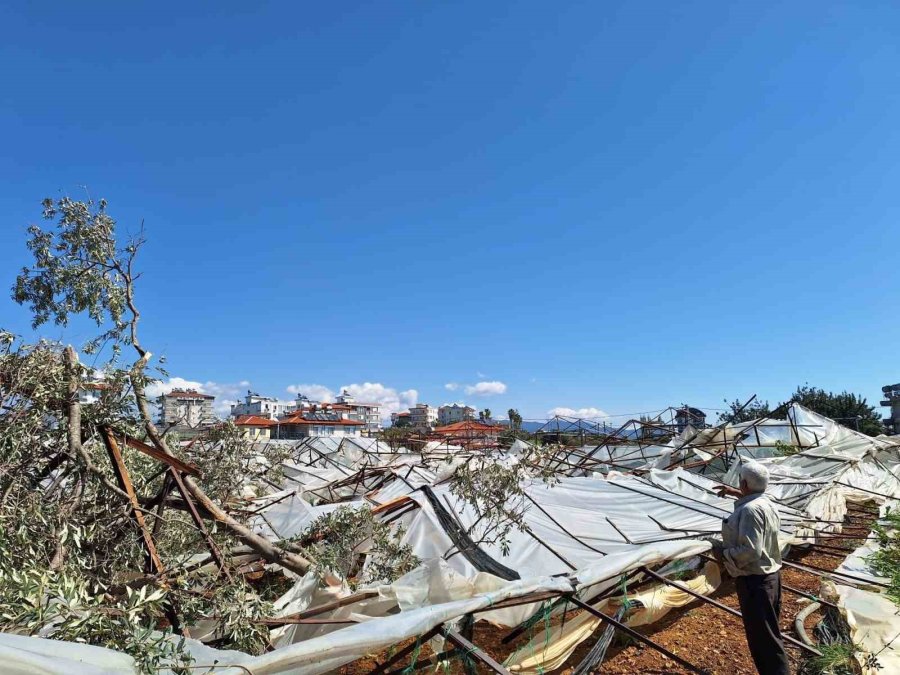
(591, 541)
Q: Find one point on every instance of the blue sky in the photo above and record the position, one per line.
(617, 206)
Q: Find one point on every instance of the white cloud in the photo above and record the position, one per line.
(160, 388)
(390, 399)
(314, 392)
(225, 393)
(586, 413)
(451, 386)
(491, 388)
(480, 375)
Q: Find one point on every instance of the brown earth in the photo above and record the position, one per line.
(700, 633)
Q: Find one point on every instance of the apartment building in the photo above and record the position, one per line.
(892, 403)
(318, 422)
(400, 419)
(423, 417)
(450, 414)
(264, 406)
(185, 409)
(367, 413)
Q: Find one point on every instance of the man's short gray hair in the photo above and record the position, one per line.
(755, 476)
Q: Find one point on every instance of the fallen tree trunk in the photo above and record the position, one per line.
(269, 551)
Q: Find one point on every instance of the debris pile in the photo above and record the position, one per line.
(125, 549)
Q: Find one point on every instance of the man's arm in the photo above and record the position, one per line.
(723, 490)
(749, 547)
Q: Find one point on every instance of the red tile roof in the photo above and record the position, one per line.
(96, 385)
(299, 419)
(253, 421)
(468, 426)
(187, 393)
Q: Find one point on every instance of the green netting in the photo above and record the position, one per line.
(414, 657)
(541, 616)
(623, 586)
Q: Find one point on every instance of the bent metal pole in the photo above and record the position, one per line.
(686, 589)
(637, 636)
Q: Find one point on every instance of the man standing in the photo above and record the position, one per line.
(750, 552)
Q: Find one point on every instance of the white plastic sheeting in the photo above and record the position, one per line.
(21, 655)
(835, 464)
(436, 594)
(432, 595)
(855, 564)
(618, 457)
(580, 535)
(574, 523)
(286, 514)
(653, 603)
(324, 653)
(874, 626)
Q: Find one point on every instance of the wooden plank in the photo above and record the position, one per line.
(198, 521)
(161, 505)
(159, 455)
(175, 468)
(124, 479)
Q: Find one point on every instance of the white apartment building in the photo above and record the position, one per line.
(185, 409)
(263, 406)
(423, 417)
(316, 423)
(346, 407)
(367, 413)
(449, 414)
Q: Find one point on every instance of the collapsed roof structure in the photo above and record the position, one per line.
(636, 508)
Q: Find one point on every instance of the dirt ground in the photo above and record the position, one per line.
(700, 633)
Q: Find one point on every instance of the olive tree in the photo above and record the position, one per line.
(80, 267)
(73, 565)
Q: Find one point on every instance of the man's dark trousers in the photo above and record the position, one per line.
(760, 598)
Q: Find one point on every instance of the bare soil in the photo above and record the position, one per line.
(702, 634)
